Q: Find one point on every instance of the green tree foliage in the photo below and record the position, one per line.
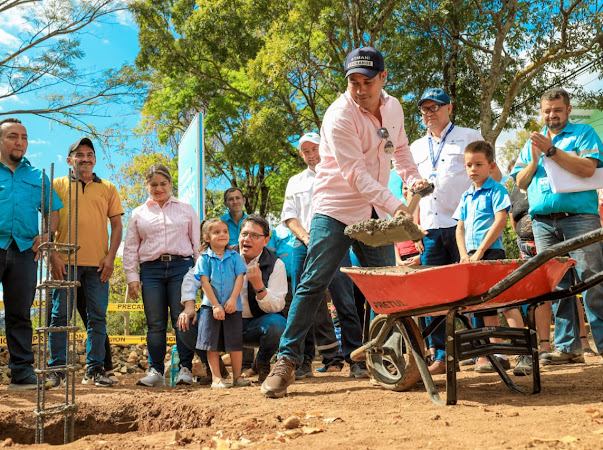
(263, 72)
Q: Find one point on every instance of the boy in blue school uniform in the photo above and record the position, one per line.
(482, 217)
(482, 211)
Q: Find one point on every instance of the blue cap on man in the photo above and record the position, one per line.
(365, 60)
(435, 94)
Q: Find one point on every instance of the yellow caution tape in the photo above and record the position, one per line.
(115, 339)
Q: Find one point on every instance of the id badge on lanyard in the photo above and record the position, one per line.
(435, 158)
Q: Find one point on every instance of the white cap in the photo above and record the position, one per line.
(308, 137)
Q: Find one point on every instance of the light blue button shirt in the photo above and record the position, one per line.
(222, 274)
(478, 208)
(282, 242)
(582, 140)
(20, 202)
(234, 229)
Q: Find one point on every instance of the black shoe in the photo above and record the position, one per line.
(304, 371)
(27, 384)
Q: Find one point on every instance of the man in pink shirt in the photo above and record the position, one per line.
(362, 132)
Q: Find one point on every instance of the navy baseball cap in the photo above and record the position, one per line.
(366, 61)
(435, 94)
(84, 141)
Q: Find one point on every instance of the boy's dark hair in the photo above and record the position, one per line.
(556, 94)
(232, 189)
(481, 147)
(258, 220)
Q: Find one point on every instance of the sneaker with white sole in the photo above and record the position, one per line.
(185, 377)
(152, 379)
(57, 379)
(87, 379)
(102, 380)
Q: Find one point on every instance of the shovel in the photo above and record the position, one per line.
(379, 232)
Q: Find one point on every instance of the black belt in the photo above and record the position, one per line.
(169, 258)
(555, 216)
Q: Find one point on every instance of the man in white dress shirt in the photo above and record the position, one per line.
(439, 157)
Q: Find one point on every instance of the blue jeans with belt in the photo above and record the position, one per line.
(97, 298)
(440, 249)
(161, 282)
(327, 248)
(18, 274)
(589, 260)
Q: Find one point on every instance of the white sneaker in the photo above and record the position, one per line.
(153, 379)
(185, 377)
(87, 379)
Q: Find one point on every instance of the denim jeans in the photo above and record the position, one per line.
(440, 249)
(82, 309)
(327, 248)
(161, 282)
(342, 294)
(263, 333)
(97, 295)
(18, 274)
(548, 232)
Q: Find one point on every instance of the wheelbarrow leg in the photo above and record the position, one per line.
(531, 319)
(415, 347)
(451, 358)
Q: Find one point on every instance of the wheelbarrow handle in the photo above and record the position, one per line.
(542, 257)
(417, 195)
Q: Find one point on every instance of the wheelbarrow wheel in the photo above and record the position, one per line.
(393, 365)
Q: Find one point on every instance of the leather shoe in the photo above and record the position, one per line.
(438, 367)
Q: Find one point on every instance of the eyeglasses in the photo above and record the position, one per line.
(428, 109)
(389, 145)
(252, 236)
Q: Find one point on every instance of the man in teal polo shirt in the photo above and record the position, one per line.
(234, 200)
(562, 216)
(20, 201)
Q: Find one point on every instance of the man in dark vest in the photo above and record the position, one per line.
(263, 293)
(264, 290)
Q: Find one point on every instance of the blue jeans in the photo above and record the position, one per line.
(18, 274)
(161, 282)
(263, 333)
(97, 296)
(342, 294)
(589, 260)
(327, 248)
(440, 249)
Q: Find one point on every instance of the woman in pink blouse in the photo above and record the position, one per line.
(162, 244)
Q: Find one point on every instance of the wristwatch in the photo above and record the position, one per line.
(259, 291)
(551, 151)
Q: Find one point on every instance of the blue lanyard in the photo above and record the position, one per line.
(434, 160)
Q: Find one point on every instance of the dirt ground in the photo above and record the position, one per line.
(326, 411)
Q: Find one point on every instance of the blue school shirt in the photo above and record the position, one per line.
(580, 139)
(222, 274)
(477, 210)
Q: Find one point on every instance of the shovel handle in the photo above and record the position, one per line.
(417, 195)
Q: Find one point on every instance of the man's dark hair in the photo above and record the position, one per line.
(257, 220)
(556, 94)
(8, 120)
(481, 147)
(232, 189)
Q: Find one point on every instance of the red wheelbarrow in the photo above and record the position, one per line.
(395, 349)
